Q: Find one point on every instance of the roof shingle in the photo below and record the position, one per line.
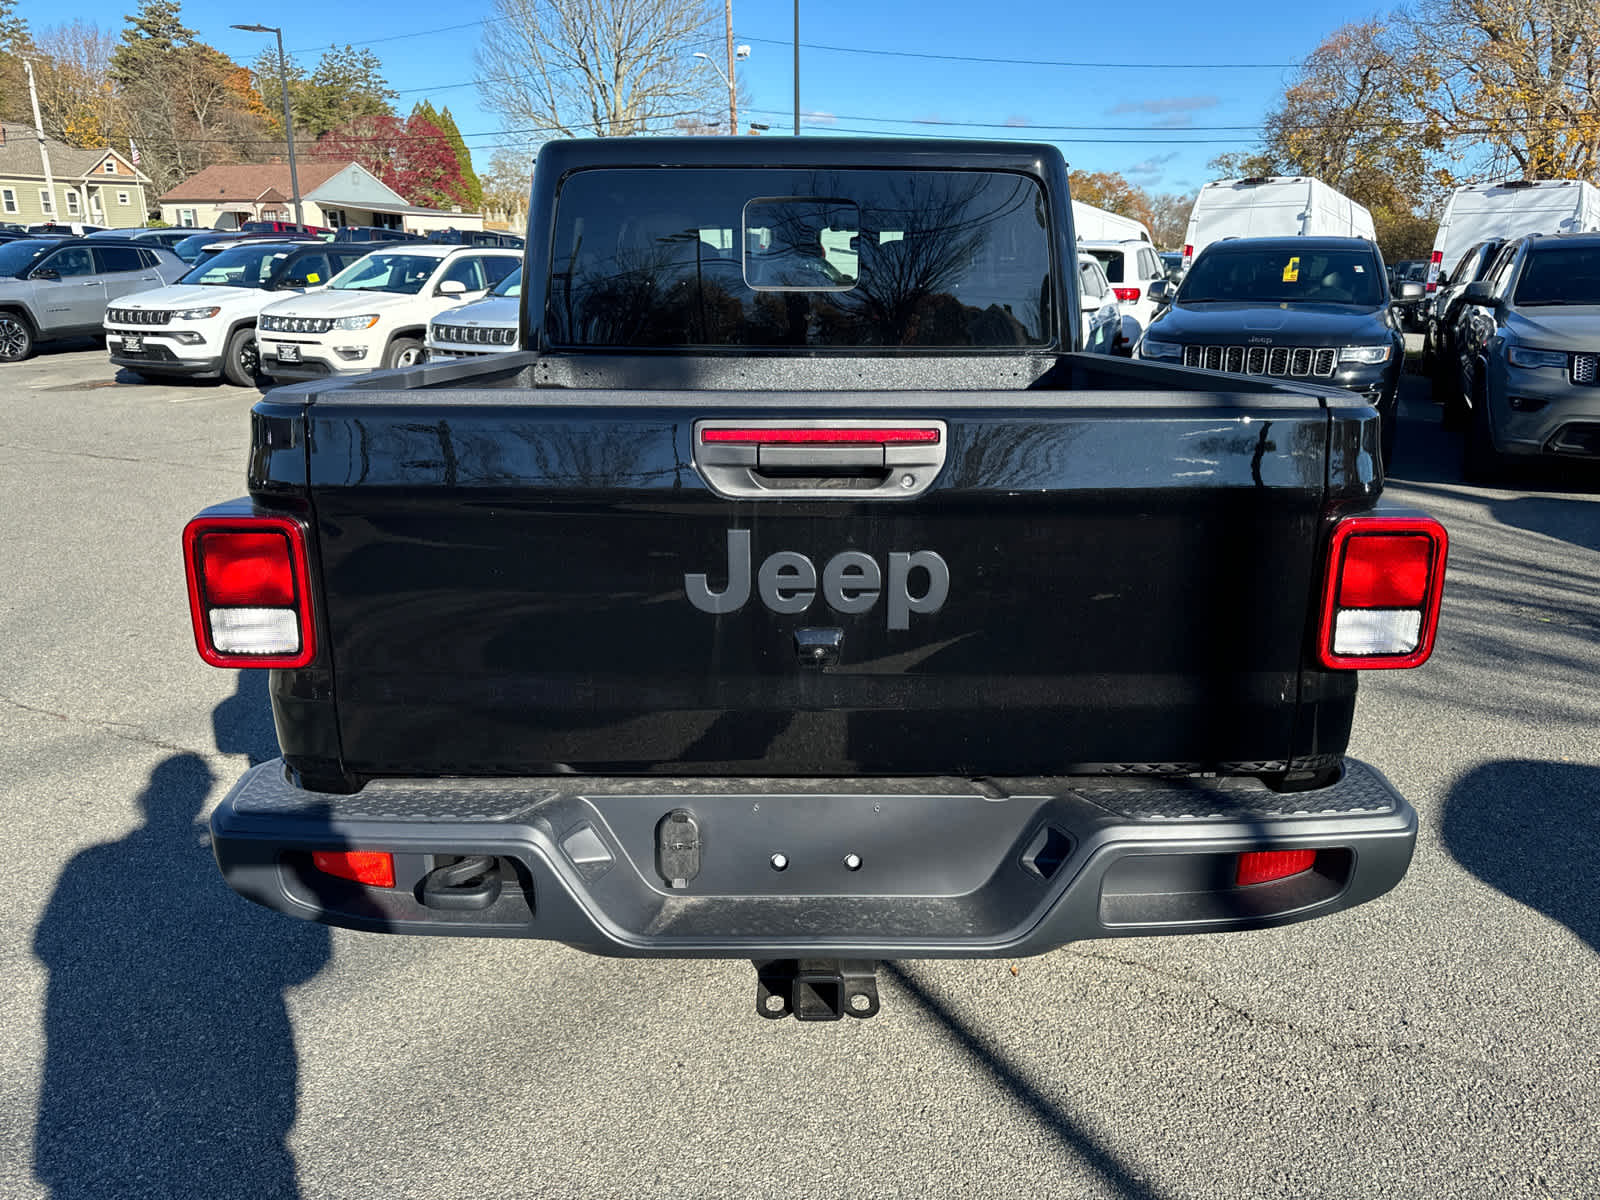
(19, 156)
(245, 182)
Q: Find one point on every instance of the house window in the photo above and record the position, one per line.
(47, 205)
(72, 204)
(111, 166)
(334, 217)
(186, 217)
(122, 199)
(8, 199)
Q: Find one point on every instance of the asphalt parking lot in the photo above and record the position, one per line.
(165, 1038)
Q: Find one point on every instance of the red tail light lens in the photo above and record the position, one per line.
(1188, 252)
(1263, 866)
(1131, 295)
(248, 568)
(1381, 598)
(248, 591)
(375, 868)
(1434, 260)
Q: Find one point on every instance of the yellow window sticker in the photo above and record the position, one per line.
(1291, 273)
(313, 277)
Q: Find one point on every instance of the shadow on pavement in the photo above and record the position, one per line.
(170, 1066)
(242, 724)
(1530, 829)
(1077, 1140)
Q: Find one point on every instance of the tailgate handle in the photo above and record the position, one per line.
(856, 458)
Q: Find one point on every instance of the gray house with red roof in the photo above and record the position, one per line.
(331, 194)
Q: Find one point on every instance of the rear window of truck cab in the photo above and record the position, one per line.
(657, 258)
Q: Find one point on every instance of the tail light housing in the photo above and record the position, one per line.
(1380, 607)
(1128, 295)
(1434, 260)
(1188, 255)
(249, 591)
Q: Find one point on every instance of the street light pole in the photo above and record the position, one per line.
(734, 55)
(288, 121)
(733, 92)
(797, 68)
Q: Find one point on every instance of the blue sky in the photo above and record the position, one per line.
(1208, 75)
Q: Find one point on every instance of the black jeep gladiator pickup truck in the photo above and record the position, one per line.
(799, 593)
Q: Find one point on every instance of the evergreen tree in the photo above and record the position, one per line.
(471, 187)
(15, 42)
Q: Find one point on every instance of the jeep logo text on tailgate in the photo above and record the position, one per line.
(851, 582)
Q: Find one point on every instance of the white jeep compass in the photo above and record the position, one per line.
(375, 313)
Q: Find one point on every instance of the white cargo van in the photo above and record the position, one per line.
(1272, 206)
(1093, 224)
(1481, 211)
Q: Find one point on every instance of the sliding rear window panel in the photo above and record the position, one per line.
(772, 259)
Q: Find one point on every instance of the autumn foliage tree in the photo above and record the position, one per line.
(414, 157)
(1517, 81)
(1110, 191)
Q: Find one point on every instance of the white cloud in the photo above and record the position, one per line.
(818, 117)
(1171, 104)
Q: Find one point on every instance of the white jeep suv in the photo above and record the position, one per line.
(1131, 266)
(375, 313)
(204, 325)
(487, 326)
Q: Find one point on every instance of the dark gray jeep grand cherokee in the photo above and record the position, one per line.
(1313, 309)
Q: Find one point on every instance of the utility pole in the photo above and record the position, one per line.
(44, 152)
(797, 68)
(733, 90)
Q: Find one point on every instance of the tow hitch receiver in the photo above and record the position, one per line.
(816, 989)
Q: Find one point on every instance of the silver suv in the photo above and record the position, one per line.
(59, 287)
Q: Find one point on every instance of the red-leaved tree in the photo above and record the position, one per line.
(414, 157)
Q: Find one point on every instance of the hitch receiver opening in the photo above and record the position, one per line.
(816, 989)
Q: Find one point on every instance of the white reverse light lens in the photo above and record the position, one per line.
(255, 630)
(366, 322)
(1521, 356)
(1370, 355)
(1376, 631)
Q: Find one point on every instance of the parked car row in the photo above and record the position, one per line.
(181, 301)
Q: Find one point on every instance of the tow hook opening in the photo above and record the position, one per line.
(468, 884)
(816, 989)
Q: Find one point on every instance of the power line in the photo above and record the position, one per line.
(396, 37)
(1023, 62)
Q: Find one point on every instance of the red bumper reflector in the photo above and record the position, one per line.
(1263, 866)
(375, 868)
(819, 437)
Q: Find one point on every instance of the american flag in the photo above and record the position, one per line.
(133, 152)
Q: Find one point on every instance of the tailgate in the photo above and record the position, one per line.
(524, 588)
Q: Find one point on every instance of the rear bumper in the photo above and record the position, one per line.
(947, 868)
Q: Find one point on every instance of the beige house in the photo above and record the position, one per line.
(331, 194)
(92, 187)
